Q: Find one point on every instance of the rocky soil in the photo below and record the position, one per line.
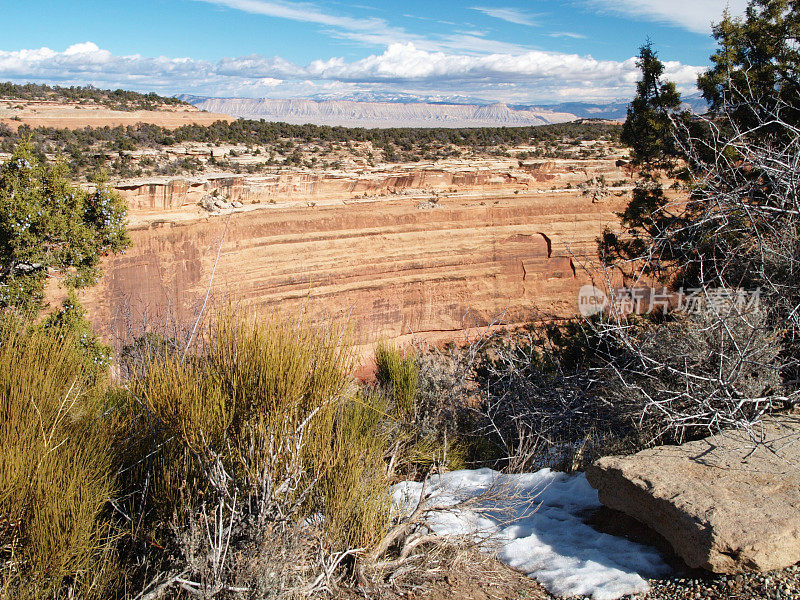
(690, 585)
(698, 584)
(488, 579)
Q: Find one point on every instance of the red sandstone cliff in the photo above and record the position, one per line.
(391, 266)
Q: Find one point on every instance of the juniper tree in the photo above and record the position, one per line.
(756, 68)
(50, 226)
(649, 132)
(648, 127)
(735, 235)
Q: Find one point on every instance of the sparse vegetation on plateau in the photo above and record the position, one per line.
(116, 99)
(272, 146)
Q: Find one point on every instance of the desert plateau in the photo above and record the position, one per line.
(399, 301)
(43, 113)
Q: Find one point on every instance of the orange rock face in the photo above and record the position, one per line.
(451, 177)
(393, 266)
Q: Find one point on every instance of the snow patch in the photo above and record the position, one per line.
(541, 532)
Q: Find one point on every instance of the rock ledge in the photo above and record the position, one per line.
(723, 503)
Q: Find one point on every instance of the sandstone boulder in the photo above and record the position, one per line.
(724, 503)
(207, 202)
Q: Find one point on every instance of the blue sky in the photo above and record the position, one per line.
(515, 51)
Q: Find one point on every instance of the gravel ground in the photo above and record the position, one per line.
(775, 585)
(696, 584)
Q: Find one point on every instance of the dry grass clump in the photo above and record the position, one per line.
(55, 468)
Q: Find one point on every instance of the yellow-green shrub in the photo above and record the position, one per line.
(265, 400)
(55, 467)
(354, 487)
(398, 373)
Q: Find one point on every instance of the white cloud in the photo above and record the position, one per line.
(304, 12)
(694, 15)
(89, 48)
(567, 34)
(371, 31)
(530, 76)
(511, 15)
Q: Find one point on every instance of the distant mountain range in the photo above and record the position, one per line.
(617, 110)
(587, 110)
(351, 113)
(377, 96)
(371, 109)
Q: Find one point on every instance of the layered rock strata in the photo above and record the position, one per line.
(393, 267)
(381, 114)
(171, 193)
(425, 250)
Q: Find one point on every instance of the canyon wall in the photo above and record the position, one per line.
(172, 193)
(392, 266)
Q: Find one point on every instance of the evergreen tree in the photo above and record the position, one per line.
(649, 131)
(756, 67)
(648, 127)
(50, 225)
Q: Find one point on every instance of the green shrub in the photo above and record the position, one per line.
(71, 317)
(398, 373)
(263, 423)
(353, 488)
(46, 222)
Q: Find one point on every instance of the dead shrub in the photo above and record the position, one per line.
(561, 396)
(541, 404)
(694, 374)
